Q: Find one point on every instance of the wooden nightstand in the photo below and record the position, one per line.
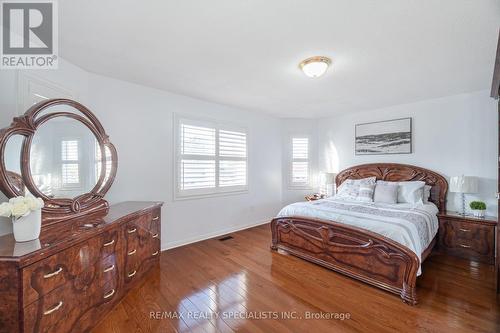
(467, 236)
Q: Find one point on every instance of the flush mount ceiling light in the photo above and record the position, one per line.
(315, 66)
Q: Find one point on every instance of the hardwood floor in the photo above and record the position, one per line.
(241, 277)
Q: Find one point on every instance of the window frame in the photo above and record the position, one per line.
(291, 184)
(217, 190)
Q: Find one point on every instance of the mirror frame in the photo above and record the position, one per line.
(57, 209)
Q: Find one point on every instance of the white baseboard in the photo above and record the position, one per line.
(171, 245)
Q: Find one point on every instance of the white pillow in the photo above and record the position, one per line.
(386, 192)
(411, 192)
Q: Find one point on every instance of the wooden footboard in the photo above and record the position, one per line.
(355, 252)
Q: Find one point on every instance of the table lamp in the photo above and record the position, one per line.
(327, 183)
(463, 185)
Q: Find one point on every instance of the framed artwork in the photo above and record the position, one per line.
(384, 137)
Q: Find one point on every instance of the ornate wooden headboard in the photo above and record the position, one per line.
(398, 173)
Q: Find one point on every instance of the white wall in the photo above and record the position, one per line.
(8, 110)
(139, 121)
(452, 135)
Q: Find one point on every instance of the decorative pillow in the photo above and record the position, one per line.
(411, 192)
(386, 192)
(365, 181)
(349, 189)
(366, 193)
(427, 193)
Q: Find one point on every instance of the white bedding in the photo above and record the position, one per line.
(413, 226)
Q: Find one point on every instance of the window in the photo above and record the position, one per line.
(211, 158)
(70, 161)
(300, 162)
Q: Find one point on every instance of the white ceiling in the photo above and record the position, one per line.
(245, 53)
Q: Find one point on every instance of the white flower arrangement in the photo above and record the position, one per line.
(20, 206)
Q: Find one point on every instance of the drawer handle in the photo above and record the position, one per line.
(156, 235)
(156, 218)
(109, 269)
(155, 254)
(466, 246)
(132, 274)
(464, 230)
(132, 252)
(108, 295)
(109, 243)
(131, 231)
(49, 275)
(54, 309)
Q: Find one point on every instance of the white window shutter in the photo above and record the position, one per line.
(300, 161)
(70, 172)
(232, 144)
(210, 159)
(232, 154)
(196, 140)
(69, 150)
(197, 174)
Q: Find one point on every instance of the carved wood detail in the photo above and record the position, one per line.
(355, 252)
(56, 210)
(398, 173)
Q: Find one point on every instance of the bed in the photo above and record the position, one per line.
(380, 244)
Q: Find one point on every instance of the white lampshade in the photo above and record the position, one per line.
(327, 178)
(463, 184)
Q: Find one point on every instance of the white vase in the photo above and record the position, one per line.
(27, 228)
(23, 248)
(479, 212)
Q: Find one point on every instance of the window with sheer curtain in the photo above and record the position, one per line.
(299, 162)
(211, 158)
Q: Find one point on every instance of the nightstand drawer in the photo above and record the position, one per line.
(468, 240)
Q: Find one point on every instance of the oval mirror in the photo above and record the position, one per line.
(65, 158)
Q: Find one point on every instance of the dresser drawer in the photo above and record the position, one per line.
(143, 221)
(44, 313)
(60, 310)
(467, 240)
(142, 252)
(77, 262)
(90, 310)
(108, 270)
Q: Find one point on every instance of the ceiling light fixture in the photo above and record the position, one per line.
(315, 66)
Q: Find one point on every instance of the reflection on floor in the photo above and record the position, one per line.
(240, 285)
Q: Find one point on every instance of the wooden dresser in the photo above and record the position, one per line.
(78, 269)
(467, 237)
